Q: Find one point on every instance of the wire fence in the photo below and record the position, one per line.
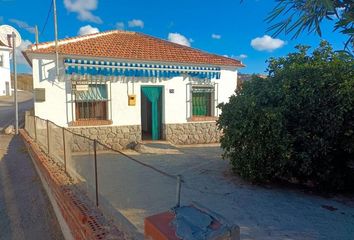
(109, 177)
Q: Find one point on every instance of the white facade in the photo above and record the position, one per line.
(5, 73)
(58, 108)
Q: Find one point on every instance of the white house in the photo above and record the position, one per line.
(120, 87)
(5, 77)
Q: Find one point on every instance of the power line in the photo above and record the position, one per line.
(46, 20)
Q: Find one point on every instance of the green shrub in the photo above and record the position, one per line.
(297, 124)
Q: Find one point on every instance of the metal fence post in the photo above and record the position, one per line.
(178, 192)
(35, 129)
(48, 136)
(64, 148)
(95, 159)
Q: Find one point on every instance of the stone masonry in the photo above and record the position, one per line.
(192, 133)
(121, 137)
(118, 137)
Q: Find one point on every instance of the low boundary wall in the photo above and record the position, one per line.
(81, 217)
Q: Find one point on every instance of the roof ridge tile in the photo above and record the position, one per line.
(75, 39)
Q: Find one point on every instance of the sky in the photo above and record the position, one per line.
(225, 27)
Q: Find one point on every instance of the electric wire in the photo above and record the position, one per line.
(47, 18)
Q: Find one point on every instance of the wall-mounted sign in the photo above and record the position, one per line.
(80, 82)
(81, 88)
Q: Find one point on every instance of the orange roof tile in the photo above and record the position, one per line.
(132, 46)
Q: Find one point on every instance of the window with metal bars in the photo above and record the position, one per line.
(202, 100)
(92, 103)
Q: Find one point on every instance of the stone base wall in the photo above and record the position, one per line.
(122, 137)
(192, 133)
(118, 137)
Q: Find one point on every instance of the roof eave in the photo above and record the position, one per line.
(5, 48)
(30, 51)
(236, 65)
(24, 53)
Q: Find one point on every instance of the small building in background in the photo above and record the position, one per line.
(121, 87)
(5, 73)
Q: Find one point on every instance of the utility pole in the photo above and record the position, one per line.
(34, 92)
(15, 77)
(56, 37)
(36, 35)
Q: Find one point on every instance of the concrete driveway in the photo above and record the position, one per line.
(135, 192)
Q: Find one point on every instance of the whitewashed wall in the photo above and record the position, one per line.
(174, 104)
(57, 106)
(5, 71)
(227, 85)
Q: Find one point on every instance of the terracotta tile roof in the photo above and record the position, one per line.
(132, 46)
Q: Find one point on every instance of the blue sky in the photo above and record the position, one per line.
(224, 27)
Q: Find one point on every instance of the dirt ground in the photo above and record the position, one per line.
(25, 210)
(135, 192)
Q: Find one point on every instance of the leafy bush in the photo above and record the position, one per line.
(297, 124)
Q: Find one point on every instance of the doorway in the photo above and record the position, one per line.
(151, 112)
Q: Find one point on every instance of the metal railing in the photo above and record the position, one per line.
(106, 175)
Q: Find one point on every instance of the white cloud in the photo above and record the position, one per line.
(238, 57)
(267, 43)
(83, 8)
(215, 36)
(23, 25)
(241, 56)
(120, 25)
(179, 39)
(20, 59)
(88, 29)
(136, 23)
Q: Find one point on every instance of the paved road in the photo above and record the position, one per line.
(25, 210)
(7, 109)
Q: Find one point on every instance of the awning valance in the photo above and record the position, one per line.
(107, 69)
(94, 92)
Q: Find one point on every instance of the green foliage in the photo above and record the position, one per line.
(299, 16)
(298, 124)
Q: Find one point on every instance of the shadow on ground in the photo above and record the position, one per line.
(25, 210)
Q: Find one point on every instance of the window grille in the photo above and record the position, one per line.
(202, 100)
(92, 104)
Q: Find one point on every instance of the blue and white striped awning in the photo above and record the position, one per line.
(90, 68)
